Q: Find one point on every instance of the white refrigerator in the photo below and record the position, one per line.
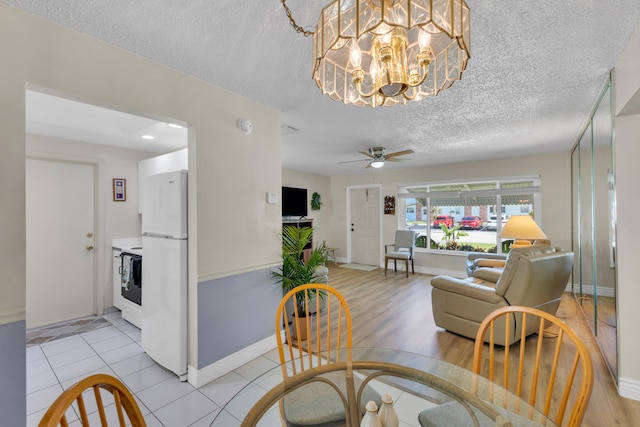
(164, 270)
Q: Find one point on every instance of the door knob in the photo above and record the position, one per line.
(89, 247)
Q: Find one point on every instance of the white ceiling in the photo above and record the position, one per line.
(535, 71)
(64, 118)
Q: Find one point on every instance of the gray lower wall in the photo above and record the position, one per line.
(13, 374)
(234, 313)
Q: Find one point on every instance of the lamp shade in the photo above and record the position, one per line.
(522, 227)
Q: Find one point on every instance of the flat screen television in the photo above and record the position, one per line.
(294, 202)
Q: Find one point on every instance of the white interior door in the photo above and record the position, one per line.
(60, 229)
(365, 226)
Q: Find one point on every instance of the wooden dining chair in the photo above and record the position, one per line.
(309, 336)
(88, 393)
(529, 368)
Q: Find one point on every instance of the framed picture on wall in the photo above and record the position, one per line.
(119, 190)
(389, 205)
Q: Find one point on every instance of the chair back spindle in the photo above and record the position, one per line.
(125, 405)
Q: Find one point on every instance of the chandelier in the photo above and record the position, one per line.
(388, 52)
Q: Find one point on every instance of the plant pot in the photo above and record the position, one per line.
(300, 335)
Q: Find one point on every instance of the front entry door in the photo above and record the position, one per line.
(365, 226)
(60, 256)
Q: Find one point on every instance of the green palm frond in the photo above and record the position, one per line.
(295, 271)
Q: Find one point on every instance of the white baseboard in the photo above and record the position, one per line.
(200, 377)
(629, 388)
(588, 290)
(424, 270)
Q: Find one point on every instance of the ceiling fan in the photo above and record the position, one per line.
(377, 156)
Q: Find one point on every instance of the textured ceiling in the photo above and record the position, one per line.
(535, 71)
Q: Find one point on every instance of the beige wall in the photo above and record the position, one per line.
(626, 154)
(322, 219)
(554, 171)
(235, 231)
(627, 77)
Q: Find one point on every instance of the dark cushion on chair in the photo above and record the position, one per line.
(318, 404)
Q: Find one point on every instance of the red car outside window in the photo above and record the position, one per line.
(473, 222)
(444, 219)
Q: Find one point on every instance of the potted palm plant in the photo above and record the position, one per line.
(298, 269)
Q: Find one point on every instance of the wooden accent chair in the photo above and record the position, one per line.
(403, 248)
(530, 369)
(321, 337)
(123, 401)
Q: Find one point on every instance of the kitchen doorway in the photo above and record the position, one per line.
(62, 128)
(60, 209)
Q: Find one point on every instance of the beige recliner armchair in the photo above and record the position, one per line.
(533, 276)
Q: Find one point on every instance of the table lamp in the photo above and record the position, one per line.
(523, 229)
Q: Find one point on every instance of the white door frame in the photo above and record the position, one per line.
(348, 216)
(99, 195)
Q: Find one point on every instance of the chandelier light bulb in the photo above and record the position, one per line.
(355, 54)
(424, 39)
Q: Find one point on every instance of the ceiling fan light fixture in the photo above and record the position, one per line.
(388, 52)
(377, 164)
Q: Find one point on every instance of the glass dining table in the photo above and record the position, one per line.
(425, 391)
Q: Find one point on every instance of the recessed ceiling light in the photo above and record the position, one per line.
(148, 137)
(175, 126)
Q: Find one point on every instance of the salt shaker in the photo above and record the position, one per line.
(387, 415)
(370, 418)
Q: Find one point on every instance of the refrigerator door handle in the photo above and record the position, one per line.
(159, 235)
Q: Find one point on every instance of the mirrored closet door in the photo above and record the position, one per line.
(594, 227)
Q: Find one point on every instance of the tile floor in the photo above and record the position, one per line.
(114, 348)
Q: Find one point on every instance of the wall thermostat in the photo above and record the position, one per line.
(272, 198)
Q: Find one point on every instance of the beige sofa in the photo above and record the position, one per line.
(534, 276)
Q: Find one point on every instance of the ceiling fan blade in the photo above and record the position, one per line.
(399, 153)
(396, 160)
(366, 154)
(368, 165)
(353, 161)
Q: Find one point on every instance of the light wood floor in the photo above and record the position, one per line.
(395, 312)
(606, 324)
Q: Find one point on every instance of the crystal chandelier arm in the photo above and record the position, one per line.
(357, 76)
(293, 21)
(423, 60)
